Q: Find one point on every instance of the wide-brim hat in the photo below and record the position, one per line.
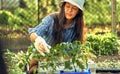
(78, 3)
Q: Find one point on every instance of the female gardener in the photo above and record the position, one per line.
(65, 26)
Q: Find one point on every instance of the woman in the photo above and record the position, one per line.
(66, 27)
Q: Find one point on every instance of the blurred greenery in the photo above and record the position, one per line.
(97, 12)
(104, 43)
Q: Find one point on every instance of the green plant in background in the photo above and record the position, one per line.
(16, 62)
(29, 13)
(103, 44)
(93, 12)
(27, 18)
(5, 16)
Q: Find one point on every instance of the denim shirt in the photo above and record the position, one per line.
(45, 29)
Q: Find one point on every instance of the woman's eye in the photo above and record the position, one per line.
(75, 8)
(67, 6)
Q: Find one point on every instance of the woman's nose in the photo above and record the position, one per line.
(70, 9)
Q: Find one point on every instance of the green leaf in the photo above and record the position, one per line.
(80, 65)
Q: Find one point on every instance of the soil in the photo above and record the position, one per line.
(103, 58)
(112, 57)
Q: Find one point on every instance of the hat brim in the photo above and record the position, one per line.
(62, 2)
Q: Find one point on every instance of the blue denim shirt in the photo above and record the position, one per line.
(45, 29)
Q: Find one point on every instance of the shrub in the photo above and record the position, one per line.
(7, 18)
(26, 16)
(4, 16)
(103, 44)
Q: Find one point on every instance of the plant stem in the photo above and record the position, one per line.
(74, 67)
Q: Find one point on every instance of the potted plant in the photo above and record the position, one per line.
(65, 58)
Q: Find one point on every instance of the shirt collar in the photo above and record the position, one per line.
(72, 25)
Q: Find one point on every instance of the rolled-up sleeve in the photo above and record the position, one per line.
(43, 27)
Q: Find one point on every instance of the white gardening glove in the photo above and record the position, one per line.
(41, 45)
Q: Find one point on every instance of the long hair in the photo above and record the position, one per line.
(79, 27)
(59, 26)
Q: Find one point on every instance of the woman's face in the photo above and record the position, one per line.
(70, 11)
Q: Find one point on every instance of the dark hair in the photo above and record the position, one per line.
(59, 26)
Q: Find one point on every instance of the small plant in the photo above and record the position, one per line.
(71, 56)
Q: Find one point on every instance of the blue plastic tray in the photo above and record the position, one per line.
(62, 72)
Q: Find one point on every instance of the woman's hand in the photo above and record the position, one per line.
(41, 45)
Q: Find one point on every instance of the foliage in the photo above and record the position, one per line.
(6, 16)
(26, 16)
(29, 14)
(20, 16)
(14, 68)
(103, 44)
(69, 55)
(48, 6)
(97, 12)
(15, 62)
